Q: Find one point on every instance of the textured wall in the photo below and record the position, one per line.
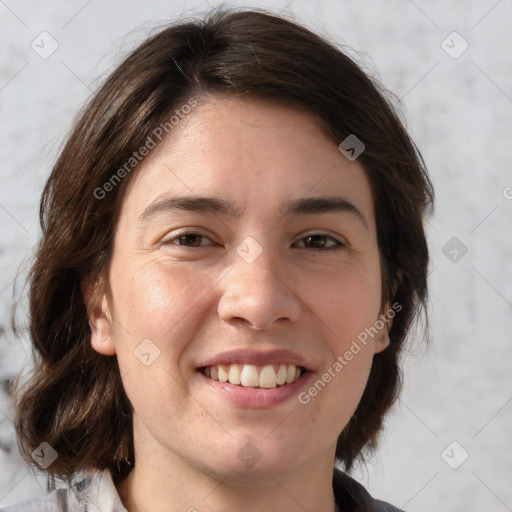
(457, 397)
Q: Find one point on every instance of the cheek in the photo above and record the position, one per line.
(346, 303)
(158, 303)
(348, 306)
(157, 314)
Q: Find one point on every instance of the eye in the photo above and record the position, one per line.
(316, 242)
(323, 243)
(187, 240)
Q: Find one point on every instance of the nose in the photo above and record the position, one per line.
(258, 293)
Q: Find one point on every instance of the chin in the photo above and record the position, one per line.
(255, 462)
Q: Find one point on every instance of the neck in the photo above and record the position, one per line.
(184, 487)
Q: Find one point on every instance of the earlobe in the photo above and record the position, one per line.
(101, 329)
(382, 340)
(100, 323)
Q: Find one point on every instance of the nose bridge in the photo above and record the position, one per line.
(262, 275)
(256, 290)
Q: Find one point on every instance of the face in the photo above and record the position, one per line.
(245, 265)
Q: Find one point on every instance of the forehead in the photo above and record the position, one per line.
(243, 149)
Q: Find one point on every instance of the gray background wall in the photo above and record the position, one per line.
(459, 109)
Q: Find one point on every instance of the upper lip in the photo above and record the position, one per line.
(257, 358)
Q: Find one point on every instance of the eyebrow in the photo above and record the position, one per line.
(322, 204)
(303, 205)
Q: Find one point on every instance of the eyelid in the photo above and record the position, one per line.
(339, 243)
(335, 236)
(169, 238)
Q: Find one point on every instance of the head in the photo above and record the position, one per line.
(220, 108)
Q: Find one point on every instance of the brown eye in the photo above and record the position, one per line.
(188, 240)
(322, 242)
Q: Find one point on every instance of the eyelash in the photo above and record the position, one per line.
(339, 246)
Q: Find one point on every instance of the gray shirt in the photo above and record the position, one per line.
(89, 492)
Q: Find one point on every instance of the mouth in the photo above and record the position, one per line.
(267, 376)
(256, 379)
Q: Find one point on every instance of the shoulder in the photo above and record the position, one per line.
(53, 502)
(382, 506)
(352, 496)
(88, 491)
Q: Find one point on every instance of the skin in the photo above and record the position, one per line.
(196, 301)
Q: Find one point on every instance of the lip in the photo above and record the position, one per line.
(255, 398)
(258, 358)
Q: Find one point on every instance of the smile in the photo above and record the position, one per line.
(252, 376)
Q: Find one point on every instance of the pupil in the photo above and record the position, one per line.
(316, 238)
(191, 239)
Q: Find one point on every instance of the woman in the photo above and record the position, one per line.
(232, 256)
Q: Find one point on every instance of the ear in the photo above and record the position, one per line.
(100, 319)
(384, 321)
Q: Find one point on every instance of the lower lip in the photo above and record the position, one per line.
(256, 398)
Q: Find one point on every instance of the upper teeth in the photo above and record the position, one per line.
(249, 375)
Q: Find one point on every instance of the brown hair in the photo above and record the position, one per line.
(74, 398)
